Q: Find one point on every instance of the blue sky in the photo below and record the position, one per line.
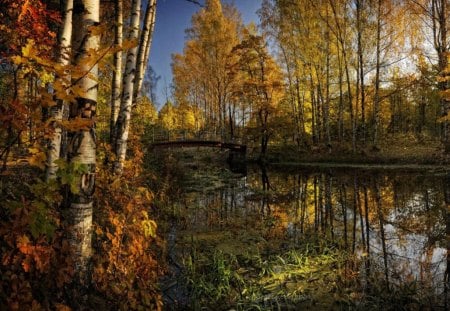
(172, 18)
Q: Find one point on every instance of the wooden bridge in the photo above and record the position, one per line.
(201, 143)
(185, 139)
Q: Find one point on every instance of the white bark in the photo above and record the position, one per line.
(82, 144)
(56, 112)
(144, 48)
(123, 121)
(117, 74)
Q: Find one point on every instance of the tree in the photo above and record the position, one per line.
(117, 73)
(261, 82)
(435, 13)
(168, 117)
(82, 142)
(144, 48)
(123, 121)
(200, 74)
(57, 111)
(136, 62)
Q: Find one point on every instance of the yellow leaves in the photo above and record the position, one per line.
(29, 50)
(17, 60)
(37, 157)
(144, 192)
(128, 44)
(97, 30)
(148, 226)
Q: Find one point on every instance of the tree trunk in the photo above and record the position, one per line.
(57, 111)
(123, 120)
(144, 48)
(326, 110)
(82, 143)
(359, 8)
(117, 74)
(377, 79)
(439, 8)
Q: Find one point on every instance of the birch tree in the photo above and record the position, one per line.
(56, 112)
(82, 142)
(144, 48)
(117, 74)
(123, 121)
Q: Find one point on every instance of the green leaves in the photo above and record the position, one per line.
(70, 173)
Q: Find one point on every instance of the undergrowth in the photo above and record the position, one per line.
(36, 269)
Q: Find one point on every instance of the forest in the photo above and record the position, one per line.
(301, 161)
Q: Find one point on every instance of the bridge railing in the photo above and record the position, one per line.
(183, 135)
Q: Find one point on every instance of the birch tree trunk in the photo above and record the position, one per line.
(117, 74)
(144, 48)
(56, 112)
(82, 143)
(123, 120)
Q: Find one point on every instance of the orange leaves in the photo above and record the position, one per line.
(24, 10)
(125, 269)
(78, 124)
(37, 256)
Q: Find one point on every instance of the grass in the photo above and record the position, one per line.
(306, 277)
(398, 149)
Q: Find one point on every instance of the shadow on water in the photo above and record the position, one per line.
(315, 239)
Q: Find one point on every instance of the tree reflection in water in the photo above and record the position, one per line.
(395, 224)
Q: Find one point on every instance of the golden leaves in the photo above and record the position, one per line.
(37, 157)
(78, 124)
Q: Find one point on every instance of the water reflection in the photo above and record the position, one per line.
(397, 225)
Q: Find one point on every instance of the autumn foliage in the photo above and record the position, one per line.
(37, 264)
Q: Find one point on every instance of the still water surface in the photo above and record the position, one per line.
(394, 224)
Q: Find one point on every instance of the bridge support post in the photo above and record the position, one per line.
(237, 161)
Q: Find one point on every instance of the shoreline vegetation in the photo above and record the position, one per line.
(87, 207)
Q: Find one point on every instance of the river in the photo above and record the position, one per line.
(326, 238)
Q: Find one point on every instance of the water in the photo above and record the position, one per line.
(389, 231)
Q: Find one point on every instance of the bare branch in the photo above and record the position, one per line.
(196, 2)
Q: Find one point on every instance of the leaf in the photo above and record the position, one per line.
(78, 124)
(37, 158)
(29, 50)
(149, 228)
(17, 60)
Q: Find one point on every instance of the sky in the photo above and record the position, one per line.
(172, 18)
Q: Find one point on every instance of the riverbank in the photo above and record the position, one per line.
(401, 152)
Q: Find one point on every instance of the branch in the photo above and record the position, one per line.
(196, 2)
